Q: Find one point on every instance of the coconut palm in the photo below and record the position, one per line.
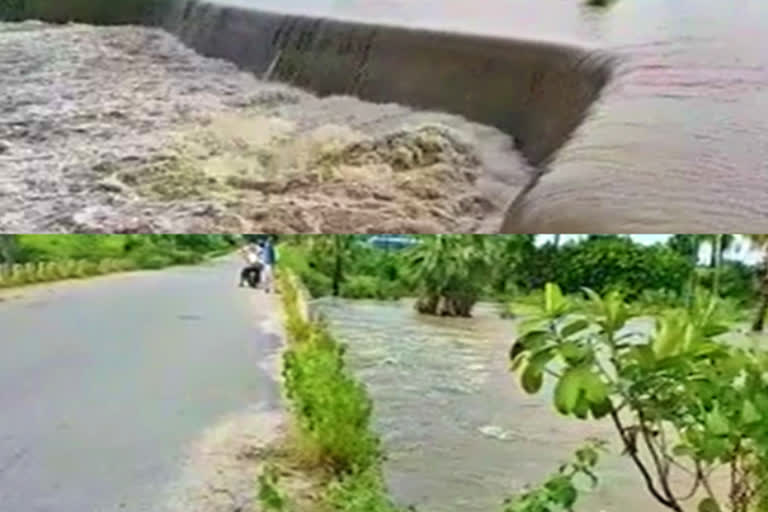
(760, 242)
(449, 273)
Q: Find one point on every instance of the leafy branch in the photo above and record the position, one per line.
(680, 399)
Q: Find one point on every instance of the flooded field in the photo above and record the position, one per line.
(459, 432)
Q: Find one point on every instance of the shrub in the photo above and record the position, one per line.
(681, 394)
(369, 287)
(86, 11)
(362, 492)
(332, 410)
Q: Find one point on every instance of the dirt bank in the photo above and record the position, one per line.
(123, 129)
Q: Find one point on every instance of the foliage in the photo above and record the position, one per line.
(364, 272)
(736, 280)
(678, 397)
(270, 497)
(760, 242)
(361, 492)
(449, 273)
(560, 492)
(605, 264)
(43, 258)
(332, 410)
(509, 254)
(369, 287)
(86, 11)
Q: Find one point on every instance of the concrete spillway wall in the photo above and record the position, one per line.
(536, 92)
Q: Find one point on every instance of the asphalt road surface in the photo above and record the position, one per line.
(104, 382)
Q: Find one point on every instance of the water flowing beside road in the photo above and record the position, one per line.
(459, 432)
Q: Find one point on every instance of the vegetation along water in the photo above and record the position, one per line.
(639, 368)
(647, 347)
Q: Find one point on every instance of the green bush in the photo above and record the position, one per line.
(608, 264)
(362, 492)
(332, 409)
(682, 393)
(87, 11)
(369, 287)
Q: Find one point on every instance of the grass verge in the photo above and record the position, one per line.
(47, 258)
(331, 414)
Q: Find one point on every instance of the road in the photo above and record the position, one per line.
(104, 382)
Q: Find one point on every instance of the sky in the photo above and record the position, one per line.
(740, 252)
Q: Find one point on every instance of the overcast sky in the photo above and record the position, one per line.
(741, 251)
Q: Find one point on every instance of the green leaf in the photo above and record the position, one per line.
(594, 297)
(750, 414)
(567, 391)
(717, 423)
(562, 492)
(709, 505)
(668, 337)
(532, 379)
(518, 361)
(534, 339)
(644, 356)
(574, 327)
(601, 409)
(554, 302)
(582, 408)
(541, 358)
(710, 331)
(596, 389)
(518, 348)
(574, 353)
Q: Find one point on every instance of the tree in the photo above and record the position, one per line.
(719, 244)
(760, 242)
(509, 254)
(449, 273)
(329, 254)
(8, 248)
(681, 401)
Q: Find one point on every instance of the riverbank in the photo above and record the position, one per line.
(181, 143)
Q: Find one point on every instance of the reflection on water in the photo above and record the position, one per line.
(459, 433)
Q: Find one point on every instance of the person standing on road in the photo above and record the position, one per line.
(268, 259)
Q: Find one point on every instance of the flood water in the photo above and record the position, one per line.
(459, 433)
(679, 140)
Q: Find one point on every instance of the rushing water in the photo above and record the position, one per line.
(678, 142)
(459, 433)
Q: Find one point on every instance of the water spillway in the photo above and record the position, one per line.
(536, 92)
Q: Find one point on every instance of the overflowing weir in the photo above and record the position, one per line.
(536, 92)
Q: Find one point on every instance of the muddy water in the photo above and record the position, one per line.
(678, 144)
(460, 434)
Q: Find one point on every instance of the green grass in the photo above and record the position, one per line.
(45, 258)
(331, 410)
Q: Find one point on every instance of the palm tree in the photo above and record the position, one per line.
(760, 242)
(338, 248)
(449, 272)
(718, 247)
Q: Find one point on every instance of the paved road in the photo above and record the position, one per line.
(103, 383)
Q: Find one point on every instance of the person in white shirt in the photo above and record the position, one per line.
(254, 265)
